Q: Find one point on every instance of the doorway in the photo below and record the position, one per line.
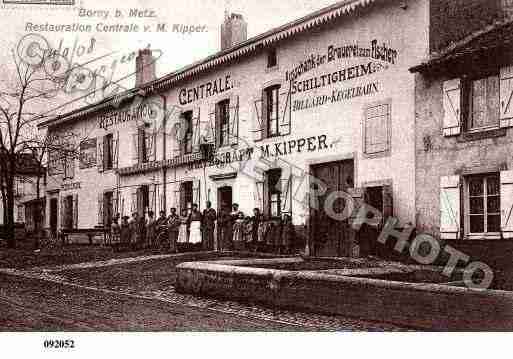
(330, 237)
(53, 215)
(224, 198)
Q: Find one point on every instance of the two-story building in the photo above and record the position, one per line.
(287, 121)
(464, 116)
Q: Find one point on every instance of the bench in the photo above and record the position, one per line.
(89, 232)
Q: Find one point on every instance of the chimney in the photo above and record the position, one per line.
(234, 30)
(144, 67)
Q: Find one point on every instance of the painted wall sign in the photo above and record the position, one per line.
(88, 153)
(146, 110)
(374, 51)
(277, 149)
(207, 89)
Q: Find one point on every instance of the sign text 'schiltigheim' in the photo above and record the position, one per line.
(38, 2)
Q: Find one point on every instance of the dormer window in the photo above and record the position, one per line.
(272, 59)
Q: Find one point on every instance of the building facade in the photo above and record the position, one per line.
(281, 122)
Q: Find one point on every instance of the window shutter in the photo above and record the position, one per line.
(506, 96)
(152, 198)
(196, 192)
(150, 137)
(115, 150)
(180, 198)
(284, 103)
(234, 120)
(215, 125)
(265, 197)
(100, 209)
(63, 212)
(388, 202)
(259, 196)
(258, 125)
(265, 114)
(141, 145)
(449, 207)
(196, 130)
(99, 161)
(115, 202)
(286, 195)
(452, 107)
(135, 148)
(75, 211)
(507, 204)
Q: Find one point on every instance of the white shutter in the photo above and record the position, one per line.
(115, 150)
(99, 159)
(63, 211)
(152, 192)
(286, 195)
(258, 124)
(196, 130)
(234, 120)
(506, 96)
(100, 209)
(507, 204)
(196, 190)
(451, 125)
(135, 148)
(284, 103)
(75, 211)
(449, 207)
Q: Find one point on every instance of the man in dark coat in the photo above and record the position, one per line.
(224, 225)
(208, 226)
(173, 225)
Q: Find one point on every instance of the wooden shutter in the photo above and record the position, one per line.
(75, 211)
(259, 196)
(265, 196)
(135, 148)
(133, 201)
(152, 193)
(506, 96)
(234, 120)
(115, 202)
(449, 207)
(196, 192)
(284, 113)
(388, 202)
(451, 123)
(196, 130)
(100, 209)
(115, 150)
(150, 137)
(141, 145)
(99, 151)
(265, 114)
(286, 195)
(507, 204)
(258, 126)
(63, 210)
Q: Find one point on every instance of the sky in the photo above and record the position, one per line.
(176, 49)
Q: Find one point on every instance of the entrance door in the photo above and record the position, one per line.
(330, 236)
(224, 198)
(53, 215)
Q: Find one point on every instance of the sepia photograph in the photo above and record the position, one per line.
(177, 171)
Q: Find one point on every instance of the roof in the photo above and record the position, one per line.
(266, 39)
(499, 35)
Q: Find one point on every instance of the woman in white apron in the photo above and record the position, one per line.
(195, 227)
(183, 237)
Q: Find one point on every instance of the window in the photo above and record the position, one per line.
(274, 194)
(69, 166)
(376, 129)
(223, 123)
(482, 204)
(272, 59)
(186, 133)
(108, 152)
(483, 97)
(272, 95)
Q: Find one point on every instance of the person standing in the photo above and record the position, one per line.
(133, 225)
(255, 221)
(195, 227)
(141, 235)
(224, 234)
(124, 234)
(238, 233)
(150, 230)
(208, 226)
(173, 229)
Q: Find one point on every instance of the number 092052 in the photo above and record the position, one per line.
(59, 344)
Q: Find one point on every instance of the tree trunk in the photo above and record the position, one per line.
(9, 191)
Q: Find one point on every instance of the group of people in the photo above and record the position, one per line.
(194, 230)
